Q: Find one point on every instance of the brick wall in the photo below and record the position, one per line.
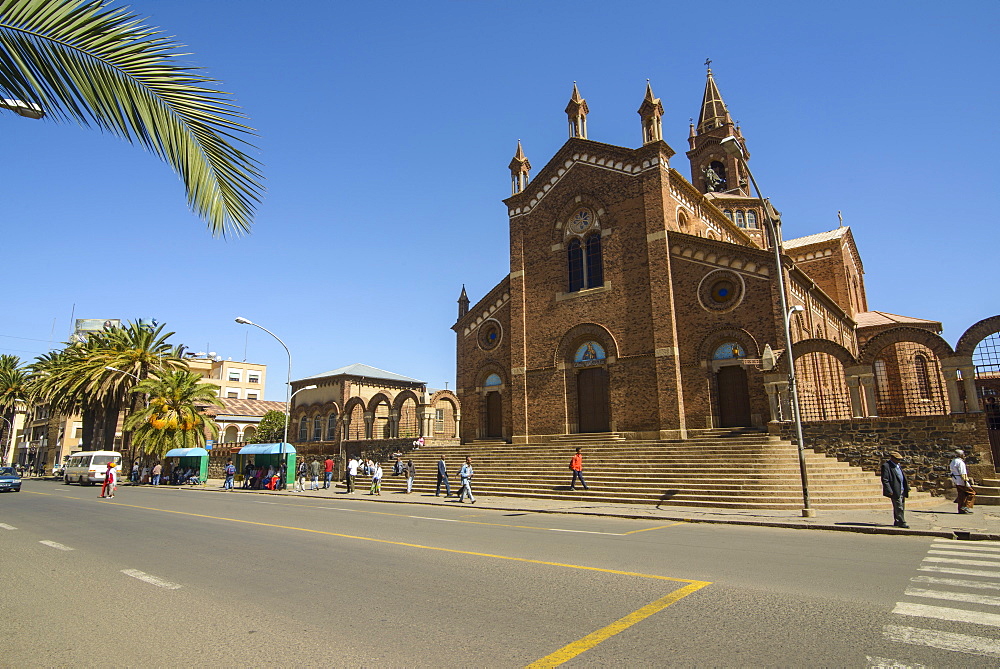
(926, 443)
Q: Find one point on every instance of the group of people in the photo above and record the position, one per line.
(897, 488)
(259, 477)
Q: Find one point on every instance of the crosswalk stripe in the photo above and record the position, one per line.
(985, 556)
(945, 613)
(152, 580)
(957, 582)
(961, 643)
(988, 600)
(961, 572)
(886, 663)
(965, 547)
(970, 544)
(973, 563)
(55, 544)
(7, 527)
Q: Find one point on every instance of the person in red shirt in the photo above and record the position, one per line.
(327, 472)
(110, 481)
(576, 465)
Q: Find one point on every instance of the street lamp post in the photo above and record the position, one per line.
(22, 108)
(732, 146)
(288, 383)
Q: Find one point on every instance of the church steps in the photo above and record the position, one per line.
(724, 469)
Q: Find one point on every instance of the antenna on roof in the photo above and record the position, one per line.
(841, 218)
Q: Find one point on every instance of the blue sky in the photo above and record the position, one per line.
(385, 129)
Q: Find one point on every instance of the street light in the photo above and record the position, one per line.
(122, 371)
(732, 146)
(288, 383)
(22, 108)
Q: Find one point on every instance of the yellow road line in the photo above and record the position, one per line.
(661, 527)
(570, 651)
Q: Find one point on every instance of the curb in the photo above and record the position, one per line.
(963, 535)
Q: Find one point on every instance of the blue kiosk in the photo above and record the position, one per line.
(195, 459)
(263, 455)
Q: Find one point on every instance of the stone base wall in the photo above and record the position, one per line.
(926, 443)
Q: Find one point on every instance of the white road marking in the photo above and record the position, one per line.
(886, 663)
(970, 544)
(960, 643)
(443, 520)
(976, 554)
(988, 600)
(556, 529)
(944, 613)
(968, 547)
(5, 526)
(960, 583)
(972, 563)
(143, 576)
(53, 544)
(962, 572)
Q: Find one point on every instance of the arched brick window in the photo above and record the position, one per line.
(585, 262)
(331, 426)
(303, 428)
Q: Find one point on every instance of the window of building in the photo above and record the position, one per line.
(595, 262)
(233, 395)
(317, 429)
(585, 263)
(923, 379)
(253, 378)
(739, 219)
(493, 380)
(574, 253)
(439, 415)
(251, 396)
(751, 220)
(303, 428)
(234, 375)
(728, 213)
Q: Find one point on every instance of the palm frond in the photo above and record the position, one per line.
(85, 61)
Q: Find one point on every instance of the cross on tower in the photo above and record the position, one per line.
(708, 63)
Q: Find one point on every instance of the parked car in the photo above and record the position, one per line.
(9, 479)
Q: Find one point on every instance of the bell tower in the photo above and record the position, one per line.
(519, 171)
(577, 111)
(712, 169)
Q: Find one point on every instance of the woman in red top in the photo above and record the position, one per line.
(576, 464)
(110, 481)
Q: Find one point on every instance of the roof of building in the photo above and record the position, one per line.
(234, 407)
(817, 238)
(366, 371)
(870, 319)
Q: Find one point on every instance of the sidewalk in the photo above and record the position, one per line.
(941, 520)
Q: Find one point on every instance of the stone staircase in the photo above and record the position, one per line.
(735, 469)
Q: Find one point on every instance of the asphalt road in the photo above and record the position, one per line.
(168, 578)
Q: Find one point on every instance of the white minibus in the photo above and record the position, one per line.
(88, 467)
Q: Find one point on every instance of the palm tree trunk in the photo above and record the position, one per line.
(90, 429)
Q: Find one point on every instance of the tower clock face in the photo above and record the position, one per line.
(581, 221)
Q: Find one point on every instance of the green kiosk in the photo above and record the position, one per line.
(195, 459)
(264, 455)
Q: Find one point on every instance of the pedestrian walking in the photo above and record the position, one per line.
(410, 472)
(442, 478)
(110, 481)
(576, 466)
(327, 473)
(300, 477)
(966, 497)
(157, 470)
(230, 475)
(465, 474)
(352, 472)
(314, 468)
(135, 473)
(376, 488)
(895, 487)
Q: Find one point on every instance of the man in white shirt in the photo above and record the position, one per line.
(963, 484)
(352, 472)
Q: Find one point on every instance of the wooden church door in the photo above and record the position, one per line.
(494, 415)
(592, 400)
(734, 397)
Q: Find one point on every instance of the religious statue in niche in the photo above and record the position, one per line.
(715, 177)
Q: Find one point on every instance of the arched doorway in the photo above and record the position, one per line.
(733, 391)
(494, 407)
(592, 398)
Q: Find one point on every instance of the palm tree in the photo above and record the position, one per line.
(14, 391)
(84, 61)
(173, 417)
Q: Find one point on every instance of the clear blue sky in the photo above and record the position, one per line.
(385, 129)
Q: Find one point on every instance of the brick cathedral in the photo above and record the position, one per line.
(644, 302)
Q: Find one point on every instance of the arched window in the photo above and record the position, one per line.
(595, 262)
(303, 428)
(751, 220)
(923, 379)
(574, 253)
(729, 351)
(728, 213)
(317, 429)
(331, 426)
(493, 380)
(585, 263)
(739, 219)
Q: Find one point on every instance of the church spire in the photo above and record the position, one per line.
(651, 113)
(463, 303)
(577, 111)
(519, 169)
(714, 113)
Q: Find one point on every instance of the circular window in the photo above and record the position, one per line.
(581, 221)
(490, 335)
(721, 291)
